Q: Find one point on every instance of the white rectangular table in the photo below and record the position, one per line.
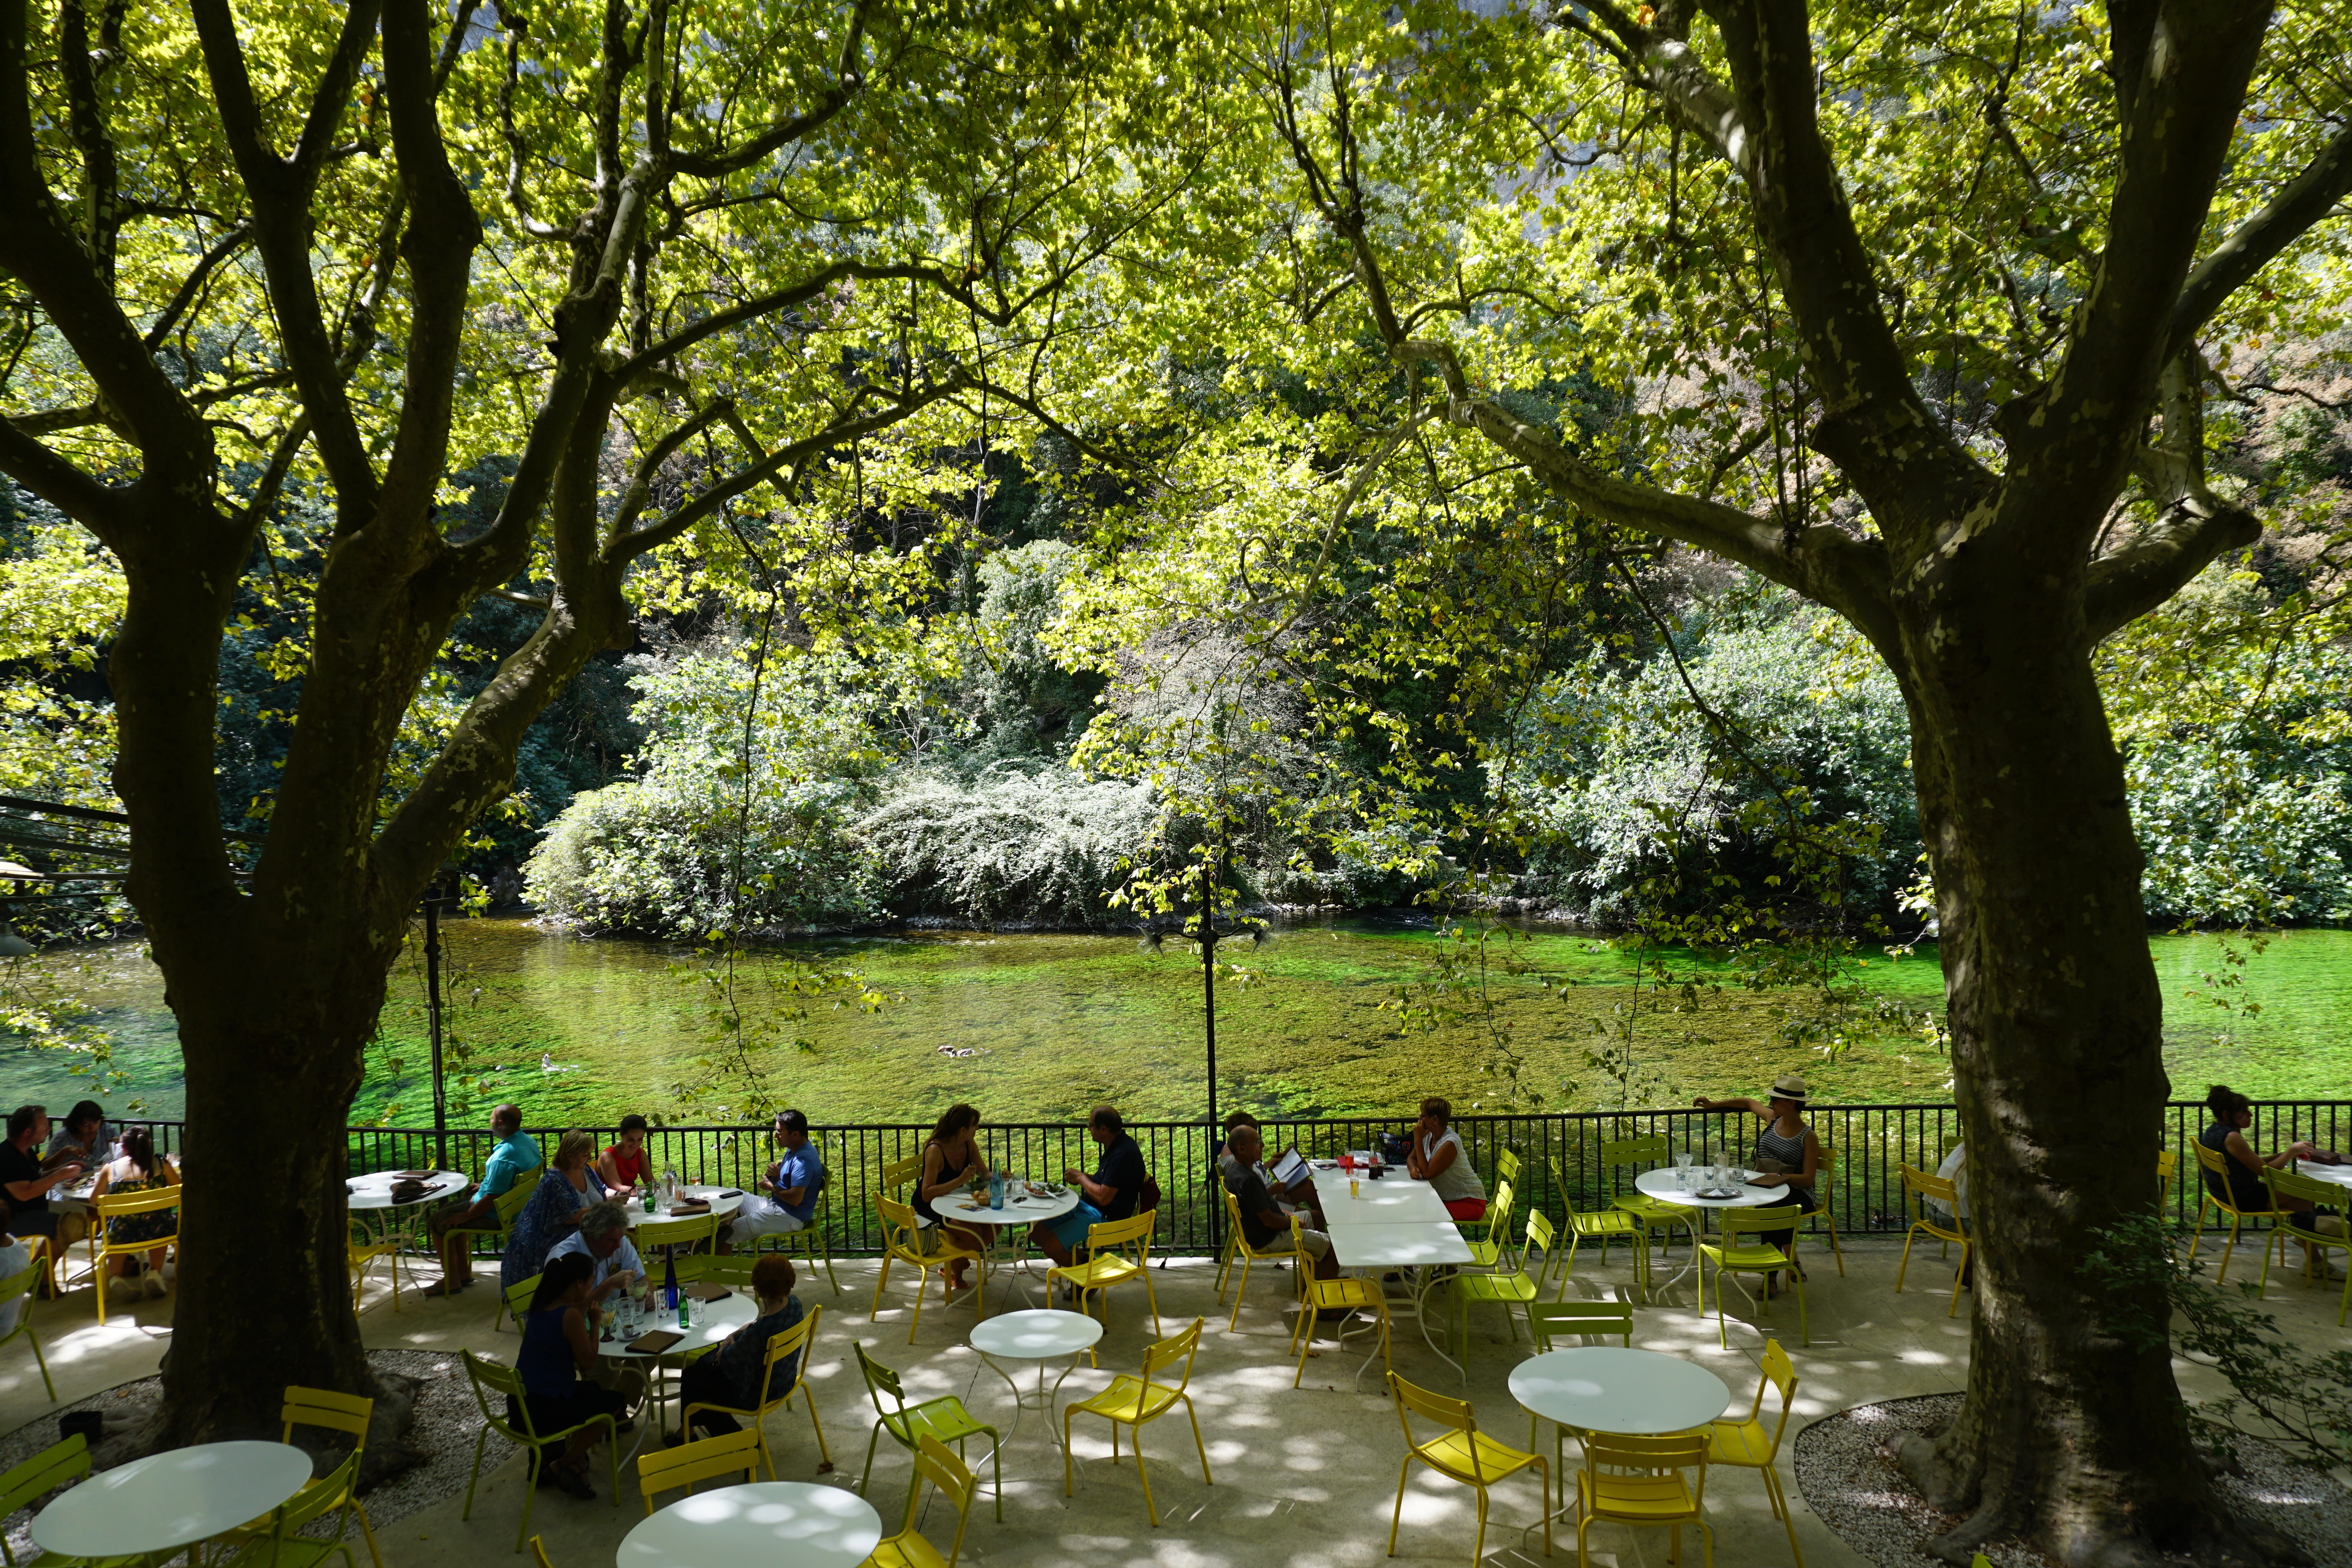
(1420, 1245)
(1392, 1199)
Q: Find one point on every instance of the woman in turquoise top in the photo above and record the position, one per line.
(559, 1344)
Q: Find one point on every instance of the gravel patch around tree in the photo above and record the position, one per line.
(442, 1432)
(1863, 1496)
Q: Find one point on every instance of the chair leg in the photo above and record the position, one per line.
(873, 1438)
(1151, 1296)
(885, 1280)
(1397, 1513)
(1478, 1542)
(2232, 1246)
(1238, 1294)
(42, 1362)
(1835, 1246)
(820, 1448)
(1206, 1479)
(1544, 1472)
(1908, 1236)
(922, 1283)
(1804, 1325)
(1151, 1509)
(1788, 1518)
(1957, 1279)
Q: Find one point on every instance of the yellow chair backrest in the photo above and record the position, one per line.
(1827, 1163)
(1176, 1347)
(2166, 1162)
(732, 1270)
(659, 1471)
(1507, 1164)
(1634, 1152)
(1576, 1320)
(324, 1408)
(509, 1203)
(16, 1284)
(1947, 1143)
(1781, 1373)
(1123, 1233)
(45, 1472)
(898, 1173)
(1919, 1189)
(937, 1463)
(2319, 1194)
(1540, 1238)
(1498, 1213)
(902, 1227)
(1454, 1415)
(111, 1206)
(792, 1340)
(683, 1232)
(518, 1295)
(1738, 1222)
(1612, 1452)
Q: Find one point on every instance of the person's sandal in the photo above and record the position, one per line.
(574, 1481)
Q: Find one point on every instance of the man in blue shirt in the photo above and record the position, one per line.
(793, 1184)
(515, 1153)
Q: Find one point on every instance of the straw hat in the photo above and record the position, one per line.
(1788, 1086)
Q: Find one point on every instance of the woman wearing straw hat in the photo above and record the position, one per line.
(1787, 1153)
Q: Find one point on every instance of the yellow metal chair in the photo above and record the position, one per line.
(1507, 1165)
(539, 1554)
(279, 1547)
(943, 1420)
(1655, 1216)
(1319, 1296)
(1746, 1443)
(1824, 1183)
(1459, 1452)
(364, 1248)
(1237, 1245)
(659, 1470)
(909, 1549)
(52, 1467)
(344, 1413)
(1117, 1251)
(21, 1285)
(813, 1241)
(732, 1270)
(686, 1236)
(2217, 1164)
(902, 1242)
(508, 1205)
(1132, 1401)
(516, 1298)
(489, 1379)
(1733, 1255)
(2325, 1196)
(2168, 1166)
(1493, 1252)
(796, 1340)
(1517, 1289)
(1600, 1228)
(1919, 1186)
(1639, 1481)
(1550, 1321)
(121, 1206)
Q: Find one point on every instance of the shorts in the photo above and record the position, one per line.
(762, 1217)
(1465, 1209)
(34, 1222)
(1071, 1229)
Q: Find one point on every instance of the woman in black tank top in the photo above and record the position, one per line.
(950, 1160)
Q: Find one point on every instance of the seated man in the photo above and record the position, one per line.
(27, 1183)
(603, 1238)
(1292, 1200)
(1111, 1193)
(793, 1184)
(1264, 1222)
(515, 1153)
(625, 1166)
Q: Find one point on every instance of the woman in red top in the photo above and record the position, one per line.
(625, 1166)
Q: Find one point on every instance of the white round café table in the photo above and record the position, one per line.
(775, 1524)
(373, 1192)
(1038, 1335)
(170, 1499)
(724, 1202)
(1015, 1219)
(1606, 1389)
(1660, 1184)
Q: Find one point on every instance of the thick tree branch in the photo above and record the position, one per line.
(86, 121)
(2126, 585)
(61, 484)
(849, 79)
(751, 309)
(1825, 564)
(227, 245)
(281, 190)
(625, 547)
(2306, 200)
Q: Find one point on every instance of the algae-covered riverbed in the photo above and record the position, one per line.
(1041, 1025)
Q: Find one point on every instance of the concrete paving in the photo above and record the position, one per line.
(1302, 1478)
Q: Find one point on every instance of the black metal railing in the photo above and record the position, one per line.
(1564, 1159)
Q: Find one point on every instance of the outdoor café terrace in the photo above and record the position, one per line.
(1304, 1476)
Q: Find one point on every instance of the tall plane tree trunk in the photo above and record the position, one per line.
(2067, 1435)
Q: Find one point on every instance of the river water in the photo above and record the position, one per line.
(1032, 1027)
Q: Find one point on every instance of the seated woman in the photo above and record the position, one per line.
(730, 1375)
(1438, 1158)
(87, 1138)
(952, 1158)
(559, 1344)
(625, 1166)
(138, 1169)
(2245, 1191)
(1787, 1153)
(553, 1209)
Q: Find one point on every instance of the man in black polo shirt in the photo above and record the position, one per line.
(22, 1178)
(1111, 1193)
